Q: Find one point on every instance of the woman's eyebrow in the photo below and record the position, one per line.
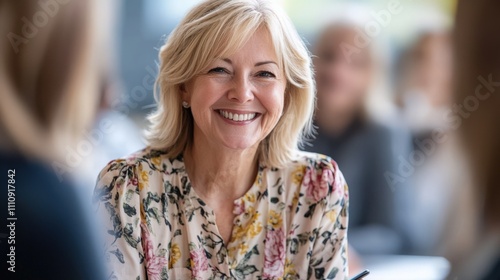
(256, 64)
(265, 62)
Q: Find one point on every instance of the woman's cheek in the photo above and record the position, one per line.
(273, 103)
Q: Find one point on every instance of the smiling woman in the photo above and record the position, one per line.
(223, 191)
(249, 83)
(209, 35)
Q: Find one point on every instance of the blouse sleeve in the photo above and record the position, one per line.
(329, 254)
(117, 197)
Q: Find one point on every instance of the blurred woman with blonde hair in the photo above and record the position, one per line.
(49, 82)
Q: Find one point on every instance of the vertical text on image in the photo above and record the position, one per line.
(11, 219)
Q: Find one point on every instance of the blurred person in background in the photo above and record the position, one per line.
(49, 84)
(477, 87)
(424, 81)
(365, 148)
(424, 95)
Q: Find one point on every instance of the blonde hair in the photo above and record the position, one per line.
(216, 28)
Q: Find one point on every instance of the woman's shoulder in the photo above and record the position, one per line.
(146, 154)
(138, 168)
(314, 160)
(317, 175)
(153, 159)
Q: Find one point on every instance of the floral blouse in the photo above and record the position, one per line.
(291, 224)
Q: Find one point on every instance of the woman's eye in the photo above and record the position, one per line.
(266, 74)
(218, 70)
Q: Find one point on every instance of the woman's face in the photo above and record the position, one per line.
(433, 69)
(238, 100)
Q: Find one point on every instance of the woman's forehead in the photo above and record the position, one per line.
(258, 47)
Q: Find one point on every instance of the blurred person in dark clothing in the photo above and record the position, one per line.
(477, 82)
(366, 149)
(49, 85)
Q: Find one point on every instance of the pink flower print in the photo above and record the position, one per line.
(154, 264)
(274, 262)
(134, 181)
(239, 207)
(339, 184)
(199, 262)
(317, 183)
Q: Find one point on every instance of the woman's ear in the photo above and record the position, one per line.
(182, 88)
(184, 96)
(184, 92)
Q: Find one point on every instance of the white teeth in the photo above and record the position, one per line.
(237, 117)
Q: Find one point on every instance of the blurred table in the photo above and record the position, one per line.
(396, 267)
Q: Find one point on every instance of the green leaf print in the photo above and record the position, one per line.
(319, 273)
(333, 273)
(118, 255)
(117, 224)
(129, 210)
(128, 234)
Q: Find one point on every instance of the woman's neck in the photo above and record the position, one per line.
(219, 173)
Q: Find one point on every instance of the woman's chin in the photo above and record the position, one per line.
(239, 144)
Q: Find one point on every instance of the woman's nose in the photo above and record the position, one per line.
(241, 90)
